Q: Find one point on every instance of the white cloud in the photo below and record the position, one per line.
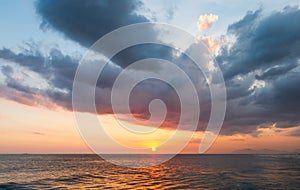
(205, 22)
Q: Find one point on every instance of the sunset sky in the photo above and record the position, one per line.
(257, 47)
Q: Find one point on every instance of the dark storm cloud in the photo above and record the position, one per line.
(235, 89)
(143, 51)
(242, 27)
(282, 95)
(262, 43)
(266, 49)
(85, 21)
(274, 72)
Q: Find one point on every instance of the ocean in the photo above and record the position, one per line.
(181, 172)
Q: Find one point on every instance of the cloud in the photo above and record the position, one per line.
(263, 43)
(295, 133)
(206, 21)
(276, 71)
(7, 70)
(38, 133)
(86, 21)
(281, 95)
(261, 69)
(57, 69)
(213, 44)
(30, 98)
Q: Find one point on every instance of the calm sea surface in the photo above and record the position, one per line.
(181, 172)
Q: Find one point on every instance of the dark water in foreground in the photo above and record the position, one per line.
(182, 172)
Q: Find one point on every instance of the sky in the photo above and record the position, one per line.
(256, 47)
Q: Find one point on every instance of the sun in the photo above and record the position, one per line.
(153, 149)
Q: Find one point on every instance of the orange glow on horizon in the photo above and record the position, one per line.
(26, 129)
